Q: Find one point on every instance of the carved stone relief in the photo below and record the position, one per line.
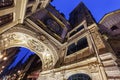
(97, 39)
(37, 46)
(12, 39)
(93, 68)
(19, 39)
(48, 63)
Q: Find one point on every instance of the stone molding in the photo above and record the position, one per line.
(21, 37)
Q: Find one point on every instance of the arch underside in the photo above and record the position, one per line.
(17, 38)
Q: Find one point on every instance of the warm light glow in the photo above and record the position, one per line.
(19, 71)
(5, 58)
(3, 67)
(1, 56)
(14, 74)
(1, 71)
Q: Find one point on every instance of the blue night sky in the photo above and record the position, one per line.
(22, 56)
(98, 9)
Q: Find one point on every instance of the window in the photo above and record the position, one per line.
(39, 6)
(6, 19)
(79, 77)
(30, 1)
(29, 10)
(76, 31)
(81, 44)
(6, 3)
(113, 28)
(54, 26)
(118, 54)
(71, 49)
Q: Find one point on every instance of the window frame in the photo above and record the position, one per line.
(81, 24)
(77, 51)
(75, 41)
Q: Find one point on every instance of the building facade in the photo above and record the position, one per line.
(68, 50)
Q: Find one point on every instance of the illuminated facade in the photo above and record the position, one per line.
(68, 50)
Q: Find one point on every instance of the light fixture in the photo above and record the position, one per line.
(14, 74)
(5, 58)
(19, 71)
(1, 71)
(3, 67)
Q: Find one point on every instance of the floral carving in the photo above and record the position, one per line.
(37, 46)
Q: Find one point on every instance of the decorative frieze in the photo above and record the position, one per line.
(63, 73)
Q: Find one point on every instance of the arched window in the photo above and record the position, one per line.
(79, 77)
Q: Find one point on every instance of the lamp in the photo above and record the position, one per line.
(5, 58)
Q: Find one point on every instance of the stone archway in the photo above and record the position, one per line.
(21, 37)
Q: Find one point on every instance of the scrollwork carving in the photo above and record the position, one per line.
(48, 64)
(37, 46)
(12, 38)
(93, 68)
(97, 38)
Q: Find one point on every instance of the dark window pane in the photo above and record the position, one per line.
(71, 49)
(114, 28)
(49, 24)
(79, 77)
(76, 31)
(6, 19)
(80, 28)
(30, 1)
(82, 43)
(28, 10)
(71, 34)
(54, 26)
(118, 54)
(6, 3)
(39, 6)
